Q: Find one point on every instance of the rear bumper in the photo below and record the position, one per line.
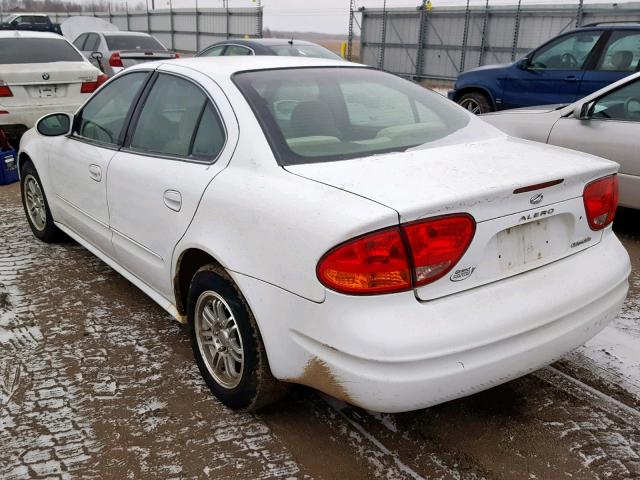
(629, 190)
(27, 116)
(392, 353)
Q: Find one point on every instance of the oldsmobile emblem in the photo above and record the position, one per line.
(45, 76)
(536, 199)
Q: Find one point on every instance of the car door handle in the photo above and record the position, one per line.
(173, 200)
(95, 172)
(571, 78)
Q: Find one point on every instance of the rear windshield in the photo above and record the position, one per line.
(133, 42)
(325, 114)
(37, 50)
(303, 51)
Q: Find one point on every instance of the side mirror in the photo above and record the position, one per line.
(524, 64)
(581, 111)
(55, 124)
(97, 56)
(14, 23)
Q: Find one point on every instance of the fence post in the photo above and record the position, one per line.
(110, 17)
(483, 40)
(260, 19)
(173, 43)
(579, 13)
(465, 37)
(516, 32)
(197, 28)
(126, 9)
(422, 39)
(383, 40)
(352, 7)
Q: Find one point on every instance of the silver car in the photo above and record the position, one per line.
(116, 50)
(605, 123)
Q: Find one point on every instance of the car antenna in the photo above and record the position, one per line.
(291, 41)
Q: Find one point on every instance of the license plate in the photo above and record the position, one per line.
(47, 92)
(523, 244)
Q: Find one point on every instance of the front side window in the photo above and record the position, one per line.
(103, 117)
(168, 123)
(132, 42)
(214, 52)
(566, 53)
(621, 104)
(622, 53)
(324, 114)
(234, 50)
(37, 50)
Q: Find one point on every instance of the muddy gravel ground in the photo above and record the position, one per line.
(96, 381)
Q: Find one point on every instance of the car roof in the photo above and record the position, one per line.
(29, 14)
(28, 34)
(260, 42)
(611, 26)
(128, 33)
(227, 66)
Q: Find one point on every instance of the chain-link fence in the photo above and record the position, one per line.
(186, 30)
(441, 42)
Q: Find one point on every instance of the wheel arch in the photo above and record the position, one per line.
(23, 157)
(476, 88)
(188, 263)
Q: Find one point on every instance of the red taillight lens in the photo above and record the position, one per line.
(374, 263)
(601, 201)
(438, 244)
(382, 262)
(5, 91)
(115, 60)
(90, 87)
(177, 55)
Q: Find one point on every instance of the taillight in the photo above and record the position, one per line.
(374, 263)
(438, 244)
(397, 259)
(115, 60)
(5, 91)
(176, 55)
(90, 87)
(601, 201)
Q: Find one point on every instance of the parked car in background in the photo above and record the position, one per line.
(562, 70)
(40, 73)
(113, 51)
(267, 46)
(605, 123)
(324, 223)
(31, 22)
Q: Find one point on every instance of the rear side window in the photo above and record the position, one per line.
(234, 50)
(37, 50)
(132, 42)
(622, 53)
(92, 42)
(177, 120)
(214, 52)
(79, 42)
(103, 117)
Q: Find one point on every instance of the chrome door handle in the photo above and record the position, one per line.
(571, 78)
(173, 200)
(95, 172)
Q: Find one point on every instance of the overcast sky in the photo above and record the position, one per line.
(331, 16)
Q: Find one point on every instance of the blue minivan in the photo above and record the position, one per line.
(561, 71)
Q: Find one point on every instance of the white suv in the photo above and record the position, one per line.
(41, 73)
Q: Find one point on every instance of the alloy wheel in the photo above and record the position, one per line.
(34, 200)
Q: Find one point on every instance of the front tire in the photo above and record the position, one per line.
(226, 343)
(475, 102)
(36, 206)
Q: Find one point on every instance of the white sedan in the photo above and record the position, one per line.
(41, 73)
(323, 223)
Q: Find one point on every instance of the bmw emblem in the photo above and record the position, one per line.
(536, 199)
(45, 76)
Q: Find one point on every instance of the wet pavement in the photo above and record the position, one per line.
(96, 381)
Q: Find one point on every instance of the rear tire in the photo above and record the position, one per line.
(476, 103)
(36, 206)
(226, 343)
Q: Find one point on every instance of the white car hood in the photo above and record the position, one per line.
(476, 177)
(73, 27)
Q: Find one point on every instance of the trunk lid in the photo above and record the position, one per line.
(56, 83)
(133, 57)
(515, 232)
